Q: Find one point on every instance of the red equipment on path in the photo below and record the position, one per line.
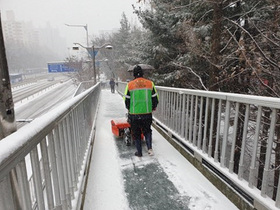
(121, 128)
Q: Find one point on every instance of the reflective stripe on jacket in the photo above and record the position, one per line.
(139, 93)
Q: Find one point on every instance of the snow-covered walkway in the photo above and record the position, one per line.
(120, 181)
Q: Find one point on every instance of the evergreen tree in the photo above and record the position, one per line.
(222, 44)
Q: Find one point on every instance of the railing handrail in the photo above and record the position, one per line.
(18, 144)
(58, 144)
(224, 132)
(250, 99)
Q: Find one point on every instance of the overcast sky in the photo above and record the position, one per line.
(99, 15)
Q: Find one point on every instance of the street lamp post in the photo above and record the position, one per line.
(93, 64)
(91, 51)
(84, 26)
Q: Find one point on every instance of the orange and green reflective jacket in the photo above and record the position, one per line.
(140, 96)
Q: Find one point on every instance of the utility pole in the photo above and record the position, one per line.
(7, 113)
(92, 51)
(93, 64)
(84, 26)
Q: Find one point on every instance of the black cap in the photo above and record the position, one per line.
(137, 71)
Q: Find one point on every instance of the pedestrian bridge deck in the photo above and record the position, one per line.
(119, 180)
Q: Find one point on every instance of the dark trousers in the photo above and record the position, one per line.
(137, 127)
(112, 88)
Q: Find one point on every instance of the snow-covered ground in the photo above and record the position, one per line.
(119, 180)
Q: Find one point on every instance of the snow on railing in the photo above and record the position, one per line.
(235, 136)
(83, 86)
(43, 164)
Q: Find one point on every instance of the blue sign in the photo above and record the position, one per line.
(59, 67)
(91, 53)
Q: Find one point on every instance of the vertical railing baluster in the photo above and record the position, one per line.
(277, 200)
(234, 133)
(158, 113)
(268, 153)
(225, 134)
(191, 120)
(80, 135)
(216, 153)
(169, 109)
(183, 116)
(83, 123)
(24, 185)
(6, 194)
(176, 112)
(200, 123)
(187, 118)
(210, 147)
(65, 167)
(69, 156)
(204, 144)
(47, 175)
(60, 167)
(73, 149)
(243, 145)
(253, 167)
(172, 111)
(163, 103)
(77, 140)
(195, 121)
(54, 168)
(38, 187)
(178, 117)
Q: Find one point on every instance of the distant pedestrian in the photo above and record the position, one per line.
(112, 85)
(141, 99)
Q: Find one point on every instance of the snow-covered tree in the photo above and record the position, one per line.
(225, 45)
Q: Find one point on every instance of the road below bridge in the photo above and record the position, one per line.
(119, 180)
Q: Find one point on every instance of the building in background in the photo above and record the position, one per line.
(13, 30)
(30, 47)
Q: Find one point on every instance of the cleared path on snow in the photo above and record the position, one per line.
(119, 180)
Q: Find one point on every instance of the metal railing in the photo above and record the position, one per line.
(43, 164)
(83, 86)
(235, 136)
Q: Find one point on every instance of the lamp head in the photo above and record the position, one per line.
(109, 47)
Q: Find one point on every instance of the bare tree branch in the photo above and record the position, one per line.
(190, 69)
(275, 43)
(256, 44)
(249, 63)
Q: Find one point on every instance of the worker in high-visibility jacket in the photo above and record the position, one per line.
(141, 99)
